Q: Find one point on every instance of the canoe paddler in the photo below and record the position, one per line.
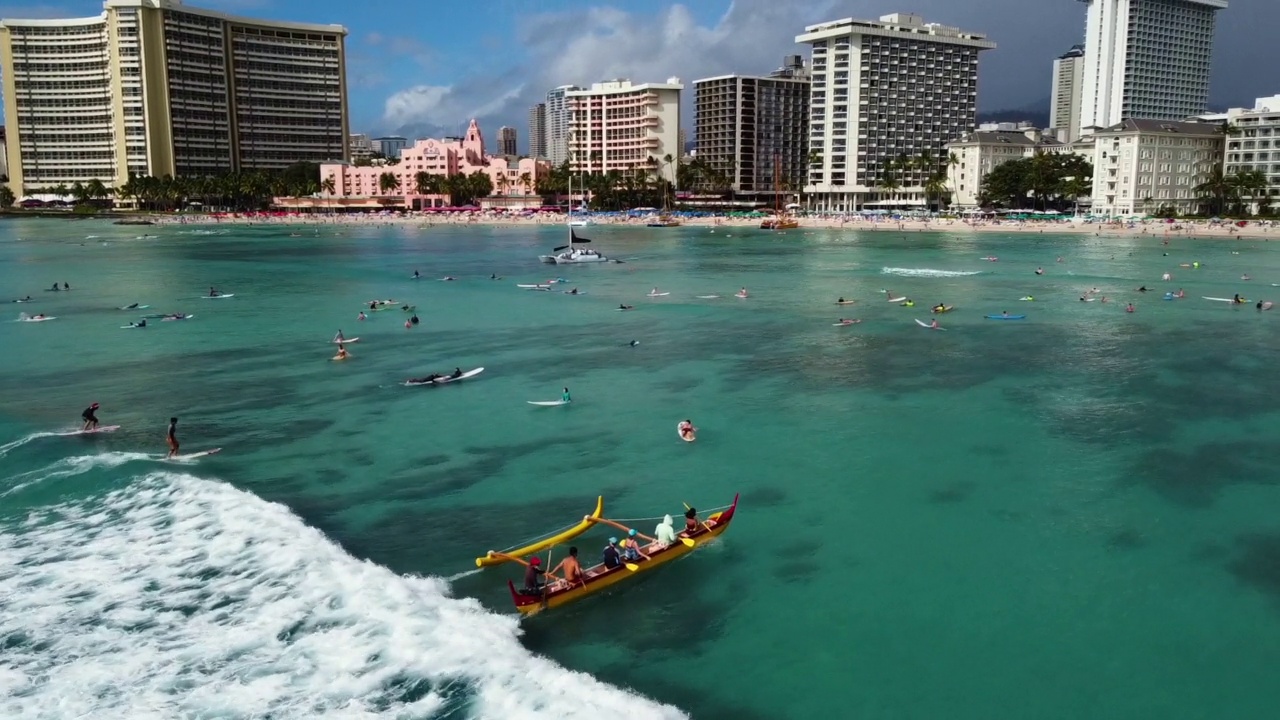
(691, 523)
(533, 577)
(631, 547)
(572, 568)
(665, 532)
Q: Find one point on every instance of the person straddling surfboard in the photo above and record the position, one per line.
(171, 437)
(687, 429)
(564, 397)
(90, 417)
(213, 292)
(339, 338)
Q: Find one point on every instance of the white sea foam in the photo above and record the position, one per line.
(67, 467)
(925, 272)
(182, 597)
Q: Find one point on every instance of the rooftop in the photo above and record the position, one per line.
(1163, 126)
(178, 6)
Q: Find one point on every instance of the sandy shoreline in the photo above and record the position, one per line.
(1263, 230)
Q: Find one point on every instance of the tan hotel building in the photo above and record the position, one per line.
(155, 87)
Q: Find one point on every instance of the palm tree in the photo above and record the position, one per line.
(935, 187)
(1215, 190)
(7, 198)
(1075, 188)
(889, 181)
(526, 182)
(502, 183)
(422, 182)
(388, 182)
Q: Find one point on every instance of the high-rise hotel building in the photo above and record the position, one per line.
(538, 131)
(1068, 86)
(556, 126)
(881, 93)
(154, 87)
(755, 130)
(617, 125)
(1146, 59)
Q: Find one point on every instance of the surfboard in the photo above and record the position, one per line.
(340, 358)
(580, 292)
(900, 299)
(192, 456)
(1226, 300)
(1006, 317)
(927, 326)
(42, 319)
(548, 403)
(217, 297)
(133, 327)
(740, 296)
(708, 297)
(447, 380)
(855, 322)
(344, 342)
(532, 287)
(846, 302)
(136, 307)
(687, 438)
(166, 318)
(99, 429)
(659, 294)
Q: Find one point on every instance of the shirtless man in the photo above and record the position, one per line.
(572, 569)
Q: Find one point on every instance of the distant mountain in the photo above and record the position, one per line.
(1036, 113)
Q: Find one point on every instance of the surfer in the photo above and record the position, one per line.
(634, 343)
(1166, 277)
(1180, 294)
(687, 428)
(339, 338)
(90, 417)
(564, 397)
(342, 353)
(407, 324)
(494, 277)
(653, 291)
(573, 291)
(909, 303)
(457, 373)
(1039, 271)
(1142, 289)
(416, 275)
(360, 316)
(140, 324)
(939, 308)
(373, 304)
(65, 286)
(24, 300)
(1245, 277)
(171, 437)
(1129, 308)
(414, 319)
(132, 307)
(1237, 300)
(447, 278)
(55, 287)
(742, 293)
(1004, 313)
(626, 307)
(1259, 306)
(213, 292)
(933, 324)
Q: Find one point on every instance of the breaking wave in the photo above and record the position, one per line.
(925, 272)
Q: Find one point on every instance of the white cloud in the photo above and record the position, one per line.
(604, 43)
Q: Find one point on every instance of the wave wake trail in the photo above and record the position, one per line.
(926, 272)
(183, 597)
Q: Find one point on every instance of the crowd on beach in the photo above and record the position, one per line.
(1257, 229)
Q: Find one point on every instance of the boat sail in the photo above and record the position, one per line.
(781, 220)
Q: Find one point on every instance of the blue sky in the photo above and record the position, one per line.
(426, 68)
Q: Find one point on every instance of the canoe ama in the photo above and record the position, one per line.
(573, 532)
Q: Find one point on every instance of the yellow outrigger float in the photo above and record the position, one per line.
(494, 557)
(599, 577)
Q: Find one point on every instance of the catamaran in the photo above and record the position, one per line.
(572, 255)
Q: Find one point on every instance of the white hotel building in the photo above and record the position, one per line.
(879, 91)
(616, 125)
(154, 87)
(1146, 59)
(1141, 166)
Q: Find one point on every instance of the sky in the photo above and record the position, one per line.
(425, 69)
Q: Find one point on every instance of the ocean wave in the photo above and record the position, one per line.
(925, 272)
(67, 467)
(183, 597)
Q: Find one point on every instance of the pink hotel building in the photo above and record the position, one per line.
(515, 181)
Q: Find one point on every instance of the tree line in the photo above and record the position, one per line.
(1041, 182)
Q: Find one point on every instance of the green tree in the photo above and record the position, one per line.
(388, 183)
(7, 198)
(1215, 191)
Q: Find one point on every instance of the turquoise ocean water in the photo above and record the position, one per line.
(1064, 517)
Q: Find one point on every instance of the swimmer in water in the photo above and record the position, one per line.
(360, 316)
(1129, 308)
(634, 343)
(1039, 271)
(1245, 277)
(416, 275)
(626, 307)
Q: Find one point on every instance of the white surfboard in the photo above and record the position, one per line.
(463, 376)
(136, 307)
(218, 297)
(1219, 299)
(845, 324)
(96, 431)
(133, 327)
(36, 319)
(659, 294)
(345, 341)
(687, 438)
(548, 403)
(191, 456)
(533, 287)
(898, 299)
(927, 326)
(708, 297)
(184, 317)
(846, 302)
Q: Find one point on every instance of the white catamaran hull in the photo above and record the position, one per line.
(577, 257)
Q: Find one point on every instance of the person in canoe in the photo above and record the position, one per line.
(665, 532)
(687, 428)
(90, 417)
(610, 555)
(1004, 313)
(631, 547)
(571, 567)
(691, 522)
(533, 577)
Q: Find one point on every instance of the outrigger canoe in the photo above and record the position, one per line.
(599, 578)
(496, 558)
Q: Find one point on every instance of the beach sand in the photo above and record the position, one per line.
(1257, 230)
